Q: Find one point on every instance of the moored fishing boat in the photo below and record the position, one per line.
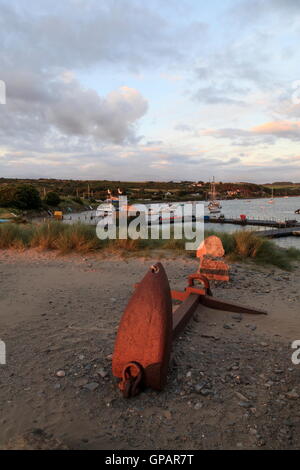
(271, 201)
(214, 206)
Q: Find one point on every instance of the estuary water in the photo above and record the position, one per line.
(281, 209)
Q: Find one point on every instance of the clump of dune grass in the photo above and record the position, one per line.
(79, 237)
(293, 253)
(247, 244)
(14, 236)
(269, 253)
(228, 240)
(45, 235)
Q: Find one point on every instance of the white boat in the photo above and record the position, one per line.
(271, 201)
(214, 210)
(156, 211)
(107, 208)
(214, 206)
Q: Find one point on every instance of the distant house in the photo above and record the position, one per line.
(233, 193)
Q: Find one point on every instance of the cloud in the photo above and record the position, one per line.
(44, 47)
(286, 129)
(183, 127)
(253, 51)
(263, 133)
(216, 95)
(35, 108)
(84, 112)
(57, 121)
(264, 10)
(135, 163)
(77, 34)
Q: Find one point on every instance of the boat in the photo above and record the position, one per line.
(159, 212)
(271, 201)
(109, 206)
(214, 206)
(214, 210)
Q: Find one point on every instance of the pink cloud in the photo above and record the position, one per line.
(278, 128)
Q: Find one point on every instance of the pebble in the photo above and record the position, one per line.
(245, 404)
(237, 317)
(253, 431)
(103, 373)
(196, 318)
(269, 384)
(167, 414)
(241, 397)
(198, 387)
(91, 386)
(61, 373)
(80, 382)
(292, 395)
(205, 392)
(227, 327)
(198, 406)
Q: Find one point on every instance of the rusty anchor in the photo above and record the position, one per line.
(149, 324)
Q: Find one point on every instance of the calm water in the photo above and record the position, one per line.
(282, 209)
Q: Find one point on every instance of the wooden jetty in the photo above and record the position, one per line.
(258, 222)
(283, 232)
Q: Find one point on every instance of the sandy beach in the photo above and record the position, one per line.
(231, 383)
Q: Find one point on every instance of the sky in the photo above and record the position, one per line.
(160, 90)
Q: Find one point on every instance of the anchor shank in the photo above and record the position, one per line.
(183, 313)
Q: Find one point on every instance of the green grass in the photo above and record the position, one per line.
(227, 239)
(15, 236)
(81, 238)
(270, 253)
